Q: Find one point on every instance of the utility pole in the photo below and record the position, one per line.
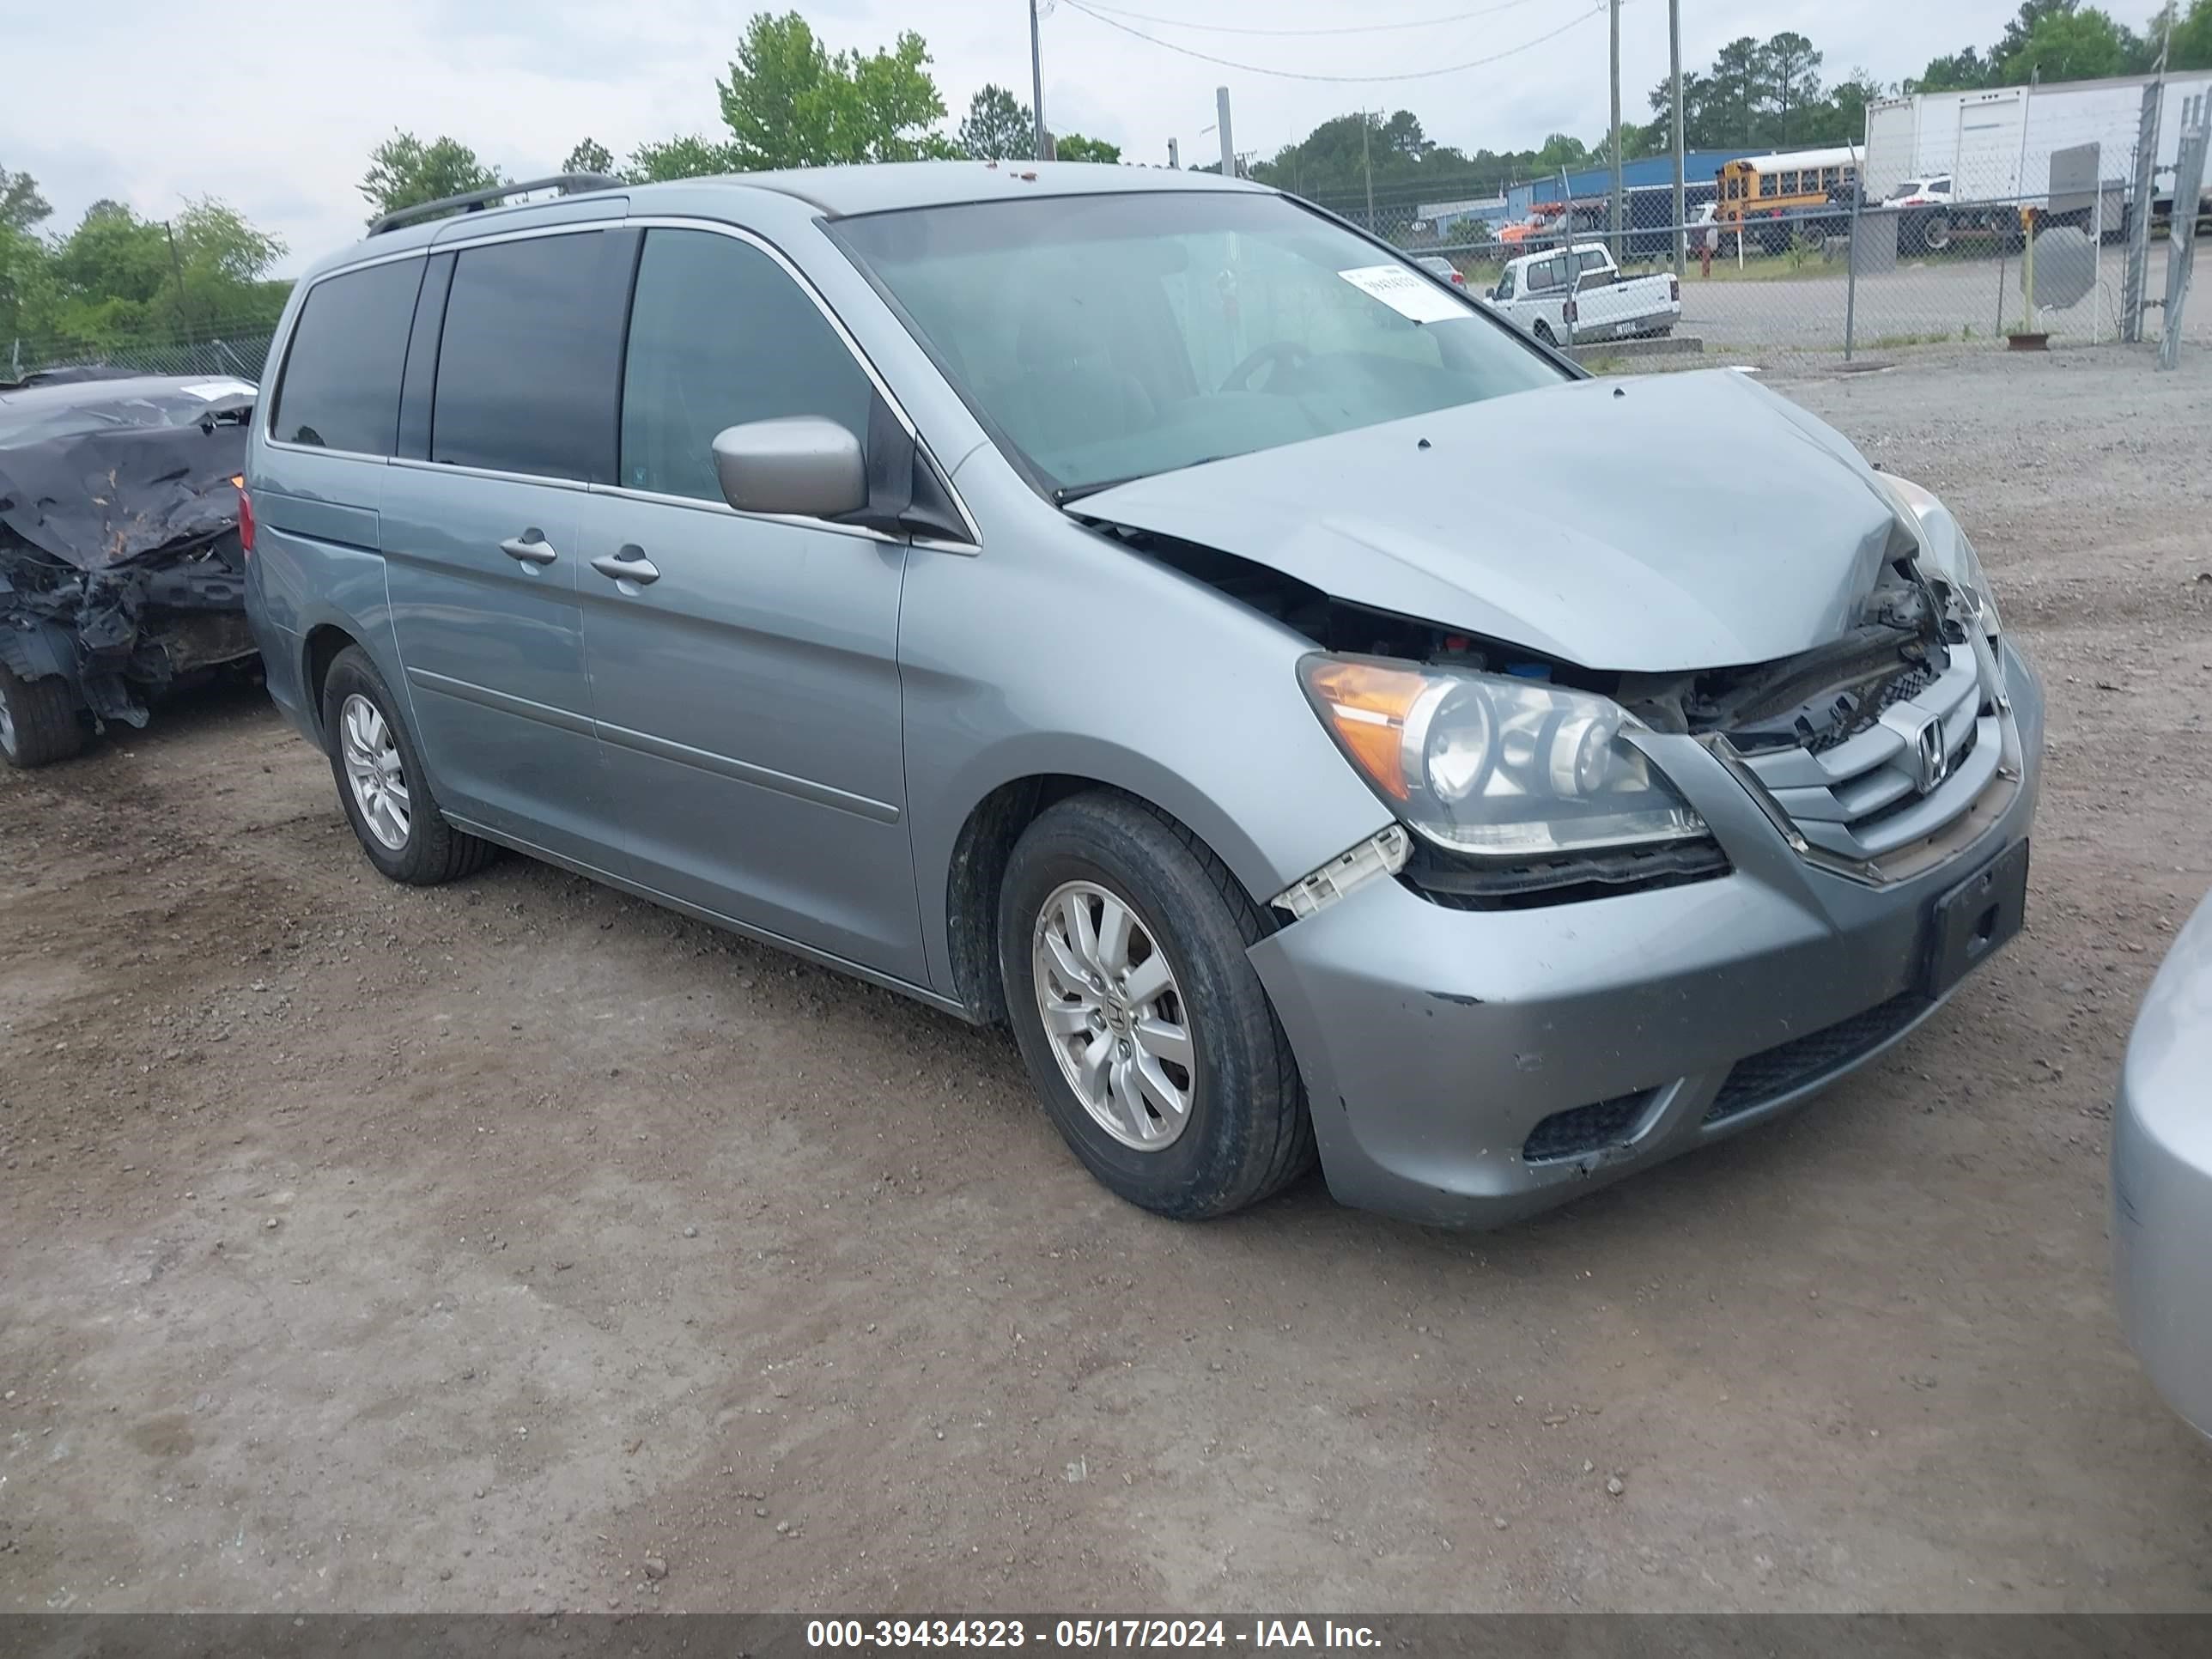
(1043, 143)
(1617, 200)
(1221, 121)
(1174, 159)
(1675, 70)
(184, 310)
(1367, 168)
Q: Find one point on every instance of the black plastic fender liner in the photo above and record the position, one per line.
(35, 652)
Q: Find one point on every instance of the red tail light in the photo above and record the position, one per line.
(1675, 289)
(1459, 279)
(246, 521)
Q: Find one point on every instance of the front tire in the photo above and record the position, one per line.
(1543, 332)
(1147, 1032)
(382, 784)
(38, 721)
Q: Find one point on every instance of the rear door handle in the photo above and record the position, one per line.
(628, 564)
(531, 547)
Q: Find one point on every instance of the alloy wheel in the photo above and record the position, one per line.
(372, 769)
(1114, 1016)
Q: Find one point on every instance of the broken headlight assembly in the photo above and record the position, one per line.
(1495, 766)
(1946, 551)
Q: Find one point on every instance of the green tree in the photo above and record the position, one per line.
(1559, 149)
(2067, 45)
(403, 172)
(1736, 95)
(118, 277)
(1790, 70)
(1841, 119)
(1074, 147)
(590, 155)
(21, 204)
(790, 103)
(687, 157)
(2024, 24)
(23, 278)
(1964, 70)
(2193, 38)
(998, 127)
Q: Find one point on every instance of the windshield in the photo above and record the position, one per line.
(1108, 337)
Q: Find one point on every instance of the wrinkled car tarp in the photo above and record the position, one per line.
(119, 564)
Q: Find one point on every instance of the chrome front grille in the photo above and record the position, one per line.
(1881, 788)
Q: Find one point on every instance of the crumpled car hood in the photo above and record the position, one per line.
(1652, 524)
(96, 500)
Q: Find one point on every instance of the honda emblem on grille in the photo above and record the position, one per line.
(1934, 758)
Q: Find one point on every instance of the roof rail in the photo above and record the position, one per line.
(477, 201)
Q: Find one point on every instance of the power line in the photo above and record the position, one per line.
(1361, 28)
(1297, 75)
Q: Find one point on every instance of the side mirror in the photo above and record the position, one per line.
(800, 466)
(1490, 293)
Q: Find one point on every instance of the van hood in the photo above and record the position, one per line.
(1651, 525)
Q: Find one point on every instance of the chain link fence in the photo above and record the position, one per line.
(241, 350)
(2063, 235)
(1791, 264)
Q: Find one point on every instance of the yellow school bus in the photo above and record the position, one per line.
(1772, 198)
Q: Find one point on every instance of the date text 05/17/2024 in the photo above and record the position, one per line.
(893, 1635)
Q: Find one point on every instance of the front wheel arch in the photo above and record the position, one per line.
(978, 868)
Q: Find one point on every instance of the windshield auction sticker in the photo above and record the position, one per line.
(1406, 292)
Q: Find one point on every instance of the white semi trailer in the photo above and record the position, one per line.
(1996, 146)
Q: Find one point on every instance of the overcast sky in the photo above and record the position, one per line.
(273, 106)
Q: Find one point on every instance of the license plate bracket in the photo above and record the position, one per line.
(1971, 921)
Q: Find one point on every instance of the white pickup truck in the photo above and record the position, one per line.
(1577, 295)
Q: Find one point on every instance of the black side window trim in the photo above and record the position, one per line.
(421, 374)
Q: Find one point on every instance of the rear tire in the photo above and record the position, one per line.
(1242, 1133)
(382, 784)
(39, 722)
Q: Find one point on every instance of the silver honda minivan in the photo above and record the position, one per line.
(1141, 609)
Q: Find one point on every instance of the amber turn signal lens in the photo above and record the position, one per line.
(1365, 706)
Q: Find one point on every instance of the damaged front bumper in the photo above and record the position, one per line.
(1473, 1067)
(120, 635)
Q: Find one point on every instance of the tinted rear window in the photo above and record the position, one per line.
(527, 366)
(341, 386)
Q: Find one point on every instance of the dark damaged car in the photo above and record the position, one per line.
(120, 567)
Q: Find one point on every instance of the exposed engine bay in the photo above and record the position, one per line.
(1813, 699)
(1902, 641)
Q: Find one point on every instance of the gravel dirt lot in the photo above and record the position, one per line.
(516, 1245)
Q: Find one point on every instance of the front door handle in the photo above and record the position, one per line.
(628, 564)
(531, 547)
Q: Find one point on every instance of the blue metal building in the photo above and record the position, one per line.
(1700, 166)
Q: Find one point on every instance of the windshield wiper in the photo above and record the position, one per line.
(1066, 493)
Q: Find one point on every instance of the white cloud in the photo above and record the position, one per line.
(274, 107)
